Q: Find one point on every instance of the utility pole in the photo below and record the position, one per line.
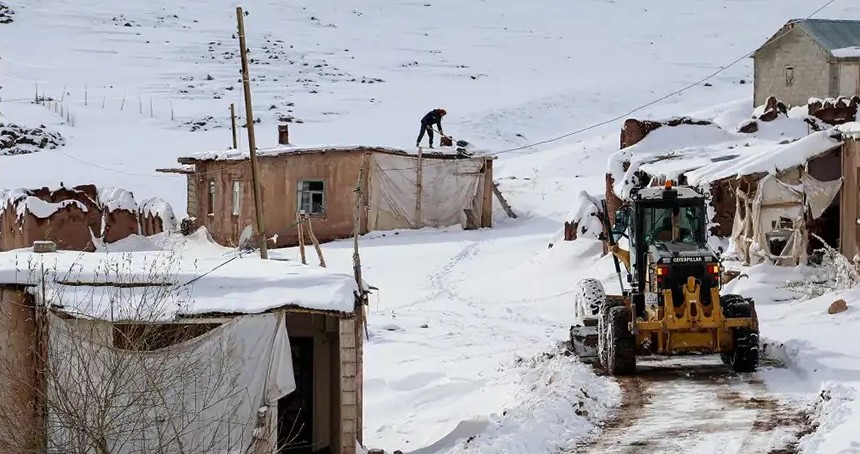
(233, 125)
(249, 118)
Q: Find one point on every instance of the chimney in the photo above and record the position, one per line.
(41, 247)
(283, 134)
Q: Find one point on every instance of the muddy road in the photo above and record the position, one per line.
(696, 405)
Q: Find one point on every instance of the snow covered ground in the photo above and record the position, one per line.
(817, 348)
(456, 309)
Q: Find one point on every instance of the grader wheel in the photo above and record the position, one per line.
(621, 343)
(606, 306)
(745, 356)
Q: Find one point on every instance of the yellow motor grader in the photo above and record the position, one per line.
(671, 304)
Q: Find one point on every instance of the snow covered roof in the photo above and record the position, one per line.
(766, 158)
(847, 52)
(707, 153)
(849, 130)
(832, 34)
(165, 276)
(281, 150)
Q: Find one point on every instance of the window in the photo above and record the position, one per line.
(210, 205)
(311, 197)
(789, 76)
(237, 197)
(658, 222)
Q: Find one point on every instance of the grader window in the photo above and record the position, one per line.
(678, 224)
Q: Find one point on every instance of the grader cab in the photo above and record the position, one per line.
(671, 304)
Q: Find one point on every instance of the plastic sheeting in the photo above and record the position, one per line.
(202, 395)
(776, 215)
(448, 187)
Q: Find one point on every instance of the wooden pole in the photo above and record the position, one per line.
(356, 226)
(419, 190)
(233, 125)
(314, 240)
(249, 118)
(361, 300)
(300, 232)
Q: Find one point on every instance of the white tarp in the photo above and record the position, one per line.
(448, 187)
(780, 207)
(201, 395)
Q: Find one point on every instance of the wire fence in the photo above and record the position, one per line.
(159, 108)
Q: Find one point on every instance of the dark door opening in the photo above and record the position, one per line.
(827, 227)
(295, 411)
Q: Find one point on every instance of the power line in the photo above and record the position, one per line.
(631, 111)
(651, 103)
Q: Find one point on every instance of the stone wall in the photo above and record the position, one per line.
(813, 77)
(79, 216)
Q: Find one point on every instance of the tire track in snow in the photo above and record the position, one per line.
(687, 405)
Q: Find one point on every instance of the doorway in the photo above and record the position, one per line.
(295, 410)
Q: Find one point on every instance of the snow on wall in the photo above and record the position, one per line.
(157, 207)
(23, 203)
(116, 199)
(42, 209)
(585, 214)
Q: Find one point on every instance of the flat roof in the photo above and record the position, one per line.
(233, 154)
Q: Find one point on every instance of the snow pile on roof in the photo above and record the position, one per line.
(239, 154)
(559, 404)
(850, 130)
(706, 153)
(166, 275)
(117, 199)
(672, 143)
(847, 52)
(765, 158)
(233, 154)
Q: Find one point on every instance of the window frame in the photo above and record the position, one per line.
(210, 197)
(236, 202)
(300, 191)
(789, 75)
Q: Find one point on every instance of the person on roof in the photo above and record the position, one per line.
(432, 117)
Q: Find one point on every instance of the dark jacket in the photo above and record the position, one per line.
(432, 117)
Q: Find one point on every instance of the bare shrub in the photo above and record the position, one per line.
(128, 381)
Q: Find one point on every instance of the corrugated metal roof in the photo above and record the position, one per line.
(832, 34)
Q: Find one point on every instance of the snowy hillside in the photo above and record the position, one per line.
(464, 321)
(509, 73)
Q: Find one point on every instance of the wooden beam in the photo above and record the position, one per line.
(419, 189)
(487, 196)
(179, 171)
(116, 284)
(504, 202)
